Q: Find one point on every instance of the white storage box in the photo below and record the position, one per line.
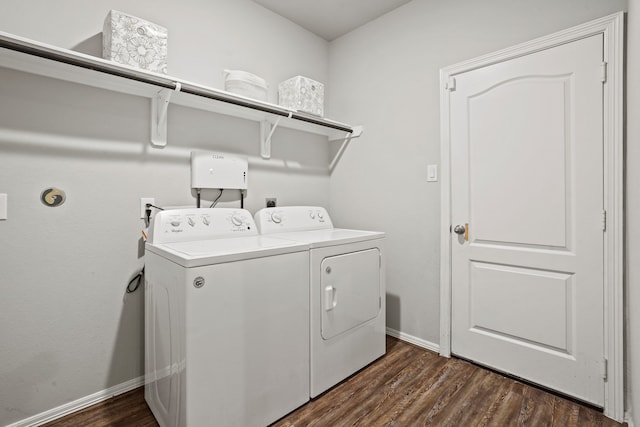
(302, 94)
(129, 40)
(245, 84)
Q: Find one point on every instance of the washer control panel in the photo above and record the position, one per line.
(292, 218)
(186, 225)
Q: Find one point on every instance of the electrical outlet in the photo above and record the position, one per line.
(143, 205)
(271, 202)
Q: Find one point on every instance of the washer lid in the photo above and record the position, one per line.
(217, 251)
(330, 237)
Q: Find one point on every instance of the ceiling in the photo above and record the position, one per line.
(331, 19)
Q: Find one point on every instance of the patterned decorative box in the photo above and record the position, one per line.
(133, 41)
(302, 94)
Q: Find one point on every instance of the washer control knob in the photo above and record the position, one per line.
(276, 217)
(320, 215)
(175, 223)
(312, 215)
(191, 221)
(236, 219)
(205, 220)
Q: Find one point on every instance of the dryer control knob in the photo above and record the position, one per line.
(236, 219)
(320, 215)
(191, 221)
(312, 215)
(276, 217)
(205, 220)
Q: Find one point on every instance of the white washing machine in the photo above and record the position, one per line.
(347, 290)
(226, 320)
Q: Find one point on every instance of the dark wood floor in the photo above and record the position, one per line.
(409, 386)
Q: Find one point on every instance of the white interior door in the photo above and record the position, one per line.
(527, 181)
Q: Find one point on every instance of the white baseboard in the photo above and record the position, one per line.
(414, 340)
(76, 405)
(628, 419)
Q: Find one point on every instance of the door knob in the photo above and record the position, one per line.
(459, 229)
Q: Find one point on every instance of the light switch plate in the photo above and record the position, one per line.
(432, 173)
(3, 206)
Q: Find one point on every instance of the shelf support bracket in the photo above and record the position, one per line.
(357, 131)
(266, 132)
(159, 108)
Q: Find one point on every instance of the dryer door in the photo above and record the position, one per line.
(350, 287)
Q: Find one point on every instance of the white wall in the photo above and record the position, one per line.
(385, 75)
(67, 328)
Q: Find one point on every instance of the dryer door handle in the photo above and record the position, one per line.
(330, 298)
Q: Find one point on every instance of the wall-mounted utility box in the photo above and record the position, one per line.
(218, 170)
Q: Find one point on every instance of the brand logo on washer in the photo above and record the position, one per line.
(198, 282)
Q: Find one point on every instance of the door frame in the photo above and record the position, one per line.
(612, 27)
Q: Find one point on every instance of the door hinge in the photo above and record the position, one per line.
(604, 220)
(603, 72)
(605, 369)
(450, 85)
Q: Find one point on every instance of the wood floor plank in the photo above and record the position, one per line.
(421, 406)
(536, 405)
(354, 388)
(472, 400)
(407, 387)
(373, 402)
(398, 388)
(564, 413)
(509, 408)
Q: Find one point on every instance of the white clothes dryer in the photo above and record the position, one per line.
(226, 321)
(347, 290)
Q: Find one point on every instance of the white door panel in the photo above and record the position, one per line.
(527, 178)
(533, 305)
(536, 160)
